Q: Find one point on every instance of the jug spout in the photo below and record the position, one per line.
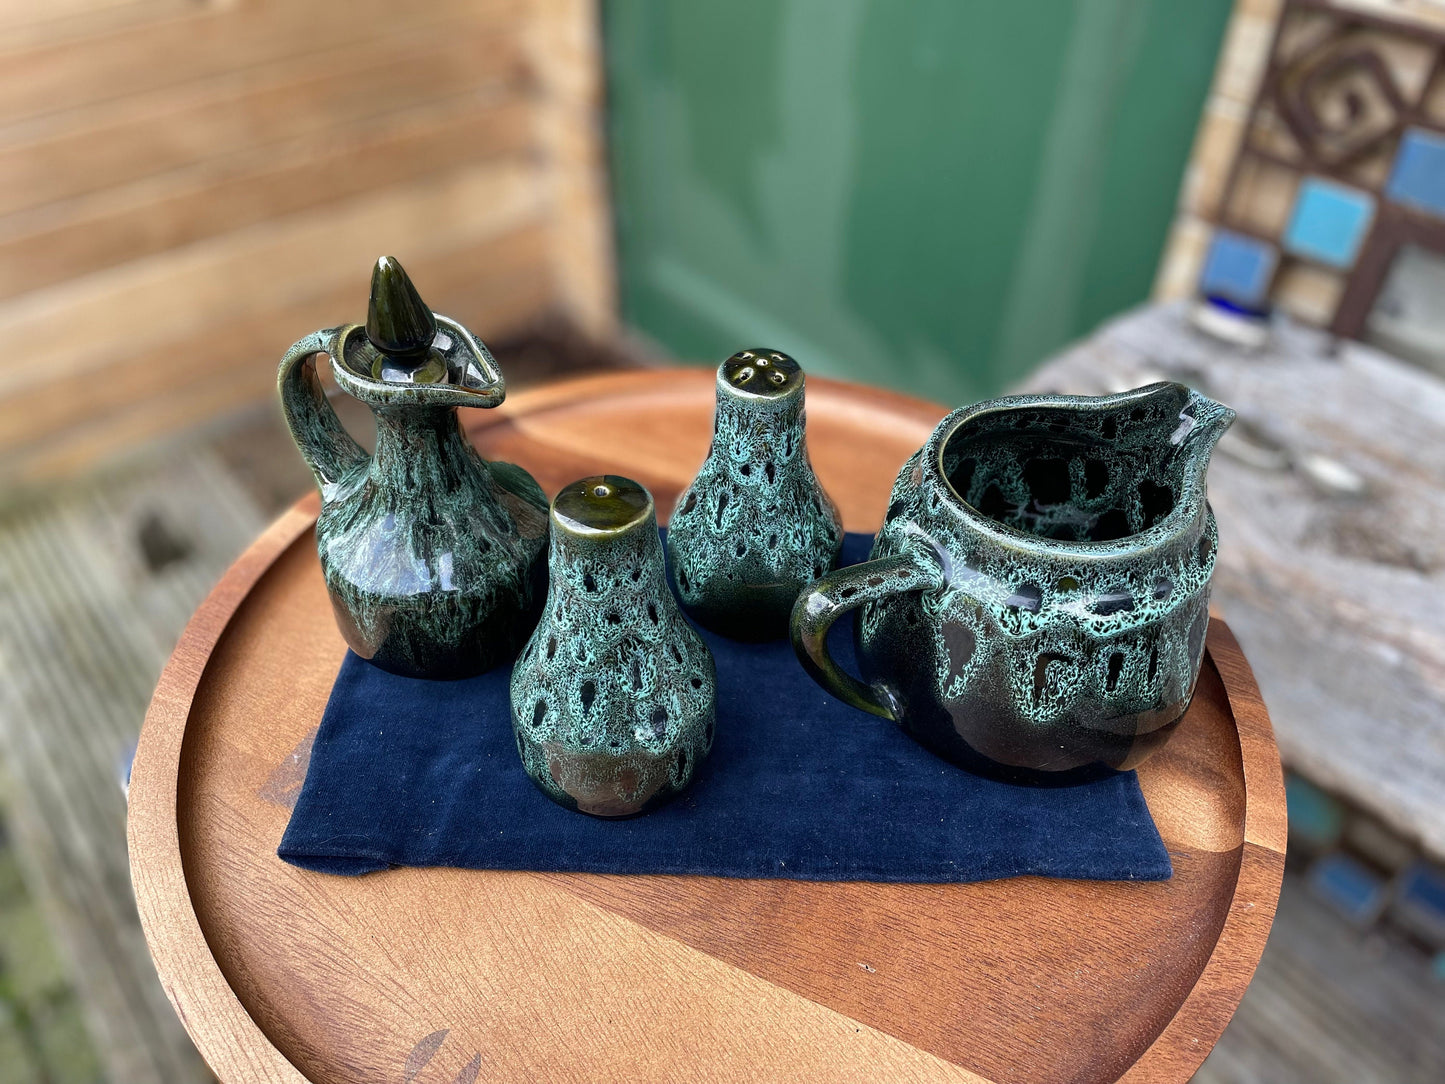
(1202, 422)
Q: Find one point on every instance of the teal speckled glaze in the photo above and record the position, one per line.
(1038, 597)
(754, 527)
(432, 555)
(614, 697)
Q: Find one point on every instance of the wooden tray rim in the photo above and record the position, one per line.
(235, 1047)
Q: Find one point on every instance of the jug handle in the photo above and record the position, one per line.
(327, 447)
(829, 598)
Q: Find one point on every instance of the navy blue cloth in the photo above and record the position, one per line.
(407, 772)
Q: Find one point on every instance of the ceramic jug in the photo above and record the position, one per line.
(432, 555)
(1038, 597)
(755, 526)
(614, 696)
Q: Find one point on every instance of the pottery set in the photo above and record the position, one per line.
(1035, 604)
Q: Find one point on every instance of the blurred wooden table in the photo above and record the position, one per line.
(1338, 596)
(458, 976)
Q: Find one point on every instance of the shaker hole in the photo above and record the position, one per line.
(589, 694)
(1116, 667)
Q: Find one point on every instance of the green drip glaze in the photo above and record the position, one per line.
(614, 696)
(1038, 597)
(755, 526)
(432, 555)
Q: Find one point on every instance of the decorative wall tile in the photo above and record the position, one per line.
(1329, 222)
(1238, 268)
(1316, 819)
(1418, 179)
(1263, 197)
(1419, 903)
(1308, 292)
(1354, 890)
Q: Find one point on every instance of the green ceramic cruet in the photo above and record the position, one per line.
(432, 555)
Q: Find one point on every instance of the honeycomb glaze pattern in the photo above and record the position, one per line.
(1071, 547)
(755, 526)
(614, 696)
(433, 557)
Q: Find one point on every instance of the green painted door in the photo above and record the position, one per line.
(930, 195)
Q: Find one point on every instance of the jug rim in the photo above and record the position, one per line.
(486, 386)
(1202, 421)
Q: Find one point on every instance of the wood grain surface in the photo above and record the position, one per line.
(184, 187)
(451, 975)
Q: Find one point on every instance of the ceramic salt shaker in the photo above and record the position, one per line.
(755, 526)
(614, 696)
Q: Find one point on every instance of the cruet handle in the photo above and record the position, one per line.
(825, 600)
(327, 447)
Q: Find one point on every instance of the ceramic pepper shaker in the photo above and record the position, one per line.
(754, 527)
(433, 557)
(614, 696)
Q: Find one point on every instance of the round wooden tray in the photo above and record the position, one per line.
(456, 976)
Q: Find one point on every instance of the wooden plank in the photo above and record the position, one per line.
(134, 138)
(1330, 1006)
(142, 306)
(31, 23)
(494, 285)
(564, 43)
(82, 623)
(183, 42)
(179, 208)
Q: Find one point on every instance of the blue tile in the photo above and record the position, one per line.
(1351, 888)
(1315, 819)
(1418, 179)
(1419, 902)
(1329, 222)
(1238, 268)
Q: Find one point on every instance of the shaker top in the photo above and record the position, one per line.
(762, 374)
(605, 504)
